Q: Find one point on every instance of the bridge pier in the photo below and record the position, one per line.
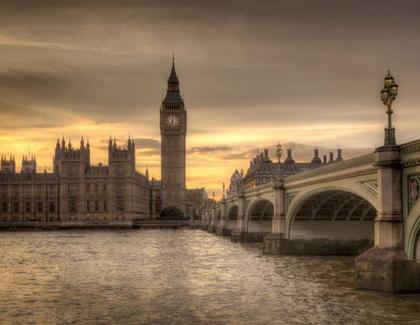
(239, 234)
(221, 229)
(212, 226)
(273, 243)
(385, 267)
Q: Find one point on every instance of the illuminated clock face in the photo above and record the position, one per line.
(172, 120)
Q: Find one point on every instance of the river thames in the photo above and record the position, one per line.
(179, 277)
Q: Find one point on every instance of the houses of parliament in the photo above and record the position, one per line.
(77, 194)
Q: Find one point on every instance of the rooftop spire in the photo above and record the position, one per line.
(173, 81)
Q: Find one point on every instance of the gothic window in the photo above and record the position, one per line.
(28, 207)
(105, 188)
(16, 207)
(105, 206)
(88, 206)
(96, 206)
(87, 187)
(73, 189)
(72, 207)
(4, 207)
(120, 206)
(39, 206)
(96, 188)
(51, 207)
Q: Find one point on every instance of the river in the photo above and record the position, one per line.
(179, 277)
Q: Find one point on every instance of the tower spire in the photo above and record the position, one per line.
(173, 82)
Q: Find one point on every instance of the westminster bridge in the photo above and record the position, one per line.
(367, 206)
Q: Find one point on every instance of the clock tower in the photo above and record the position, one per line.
(173, 130)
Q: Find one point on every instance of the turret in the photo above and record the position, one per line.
(75, 160)
(8, 166)
(289, 158)
(316, 159)
(28, 165)
(123, 158)
(339, 158)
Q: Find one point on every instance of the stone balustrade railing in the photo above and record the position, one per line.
(410, 153)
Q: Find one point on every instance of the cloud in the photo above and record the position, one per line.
(290, 71)
(207, 150)
(143, 145)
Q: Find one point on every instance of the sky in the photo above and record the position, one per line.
(306, 74)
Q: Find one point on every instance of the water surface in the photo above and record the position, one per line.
(179, 277)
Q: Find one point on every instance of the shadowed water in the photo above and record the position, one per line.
(179, 277)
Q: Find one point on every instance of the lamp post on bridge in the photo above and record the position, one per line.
(386, 267)
(388, 95)
(274, 242)
(279, 152)
(223, 191)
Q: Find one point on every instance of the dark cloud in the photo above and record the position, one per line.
(141, 143)
(206, 150)
(97, 58)
(305, 71)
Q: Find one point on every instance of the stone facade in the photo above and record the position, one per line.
(76, 194)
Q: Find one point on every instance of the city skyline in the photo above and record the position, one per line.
(103, 68)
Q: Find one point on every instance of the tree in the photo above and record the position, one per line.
(171, 213)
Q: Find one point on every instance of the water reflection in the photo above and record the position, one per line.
(179, 277)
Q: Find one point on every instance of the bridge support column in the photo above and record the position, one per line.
(212, 227)
(272, 243)
(221, 229)
(385, 267)
(240, 234)
(207, 220)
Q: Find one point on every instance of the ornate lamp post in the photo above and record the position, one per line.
(279, 151)
(223, 191)
(388, 95)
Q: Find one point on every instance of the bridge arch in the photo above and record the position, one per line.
(413, 225)
(339, 214)
(259, 216)
(232, 216)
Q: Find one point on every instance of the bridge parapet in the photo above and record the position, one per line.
(349, 168)
(410, 153)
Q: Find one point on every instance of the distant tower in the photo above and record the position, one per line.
(28, 165)
(73, 162)
(8, 166)
(173, 130)
(122, 162)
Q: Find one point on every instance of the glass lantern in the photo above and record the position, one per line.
(388, 79)
(393, 89)
(384, 94)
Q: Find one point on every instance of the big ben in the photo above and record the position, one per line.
(173, 130)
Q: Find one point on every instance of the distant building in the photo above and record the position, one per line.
(155, 201)
(76, 193)
(263, 170)
(234, 185)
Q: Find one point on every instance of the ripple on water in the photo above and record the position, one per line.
(179, 277)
